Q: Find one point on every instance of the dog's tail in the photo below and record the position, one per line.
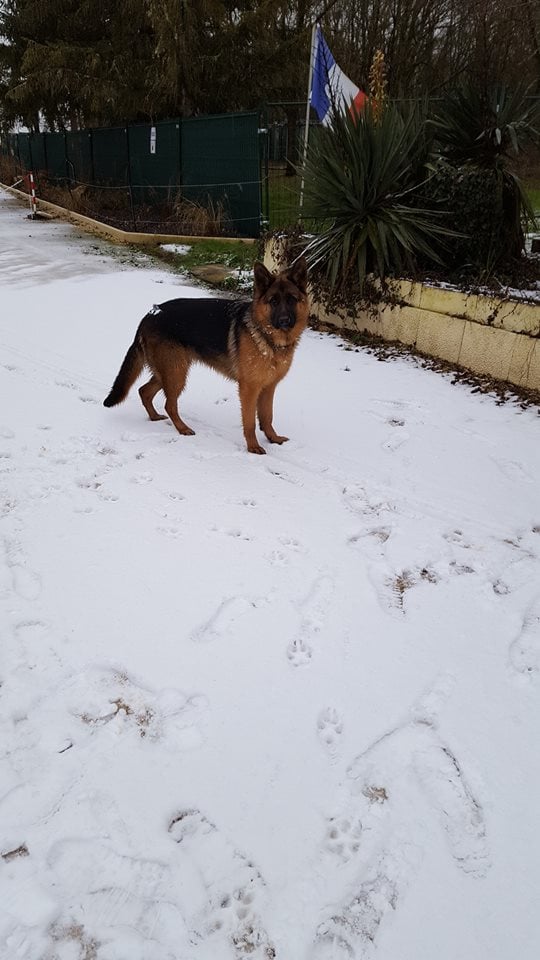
(127, 375)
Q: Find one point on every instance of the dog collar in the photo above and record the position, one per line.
(263, 341)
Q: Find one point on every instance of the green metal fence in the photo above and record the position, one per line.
(285, 123)
(205, 161)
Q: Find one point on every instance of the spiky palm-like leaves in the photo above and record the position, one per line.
(361, 178)
(485, 129)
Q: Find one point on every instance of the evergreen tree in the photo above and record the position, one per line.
(93, 62)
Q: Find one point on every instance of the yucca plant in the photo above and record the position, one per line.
(485, 127)
(361, 179)
(486, 130)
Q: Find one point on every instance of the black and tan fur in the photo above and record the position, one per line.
(251, 342)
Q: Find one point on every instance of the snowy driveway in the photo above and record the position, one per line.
(282, 706)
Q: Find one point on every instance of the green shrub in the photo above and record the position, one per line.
(362, 177)
(479, 206)
(480, 133)
(399, 193)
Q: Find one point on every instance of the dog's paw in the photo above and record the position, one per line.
(277, 439)
(255, 448)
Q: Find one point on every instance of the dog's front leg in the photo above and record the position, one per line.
(265, 410)
(249, 394)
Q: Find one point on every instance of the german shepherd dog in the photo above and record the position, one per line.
(251, 342)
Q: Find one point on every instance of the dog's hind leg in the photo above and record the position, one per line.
(265, 406)
(147, 393)
(174, 381)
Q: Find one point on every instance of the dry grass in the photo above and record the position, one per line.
(10, 170)
(375, 794)
(73, 933)
(197, 219)
(113, 205)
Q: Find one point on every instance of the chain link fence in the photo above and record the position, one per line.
(285, 123)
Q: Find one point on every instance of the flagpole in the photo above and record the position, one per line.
(308, 107)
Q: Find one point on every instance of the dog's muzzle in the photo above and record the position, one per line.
(285, 322)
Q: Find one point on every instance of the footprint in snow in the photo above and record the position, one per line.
(228, 889)
(365, 505)
(383, 779)
(513, 470)
(67, 384)
(353, 928)
(457, 537)
(107, 496)
(372, 541)
(282, 475)
(313, 611)
(115, 889)
(218, 626)
(399, 436)
(25, 582)
(299, 652)
(525, 649)
(31, 631)
(343, 836)
(329, 730)
(413, 755)
(392, 587)
(291, 544)
(460, 814)
(170, 532)
(100, 697)
(234, 532)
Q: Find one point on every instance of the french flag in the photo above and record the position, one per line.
(331, 90)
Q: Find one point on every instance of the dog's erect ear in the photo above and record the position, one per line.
(263, 278)
(297, 274)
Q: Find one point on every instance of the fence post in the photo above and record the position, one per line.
(92, 171)
(45, 153)
(130, 187)
(180, 168)
(66, 158)
(264, 132)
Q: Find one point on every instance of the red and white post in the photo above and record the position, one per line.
(32, 185)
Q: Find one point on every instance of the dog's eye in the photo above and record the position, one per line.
(273, 300)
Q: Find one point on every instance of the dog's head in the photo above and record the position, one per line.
(284, 295)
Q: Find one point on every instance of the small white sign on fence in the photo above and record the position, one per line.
(152, 139)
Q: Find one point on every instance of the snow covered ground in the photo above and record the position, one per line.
(282, 706)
